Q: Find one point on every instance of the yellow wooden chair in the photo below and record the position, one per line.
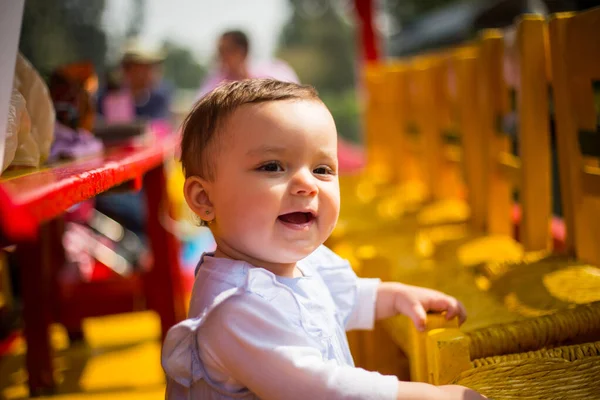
(389, 163)
(575, 50)
(571, 371)
(380, 174)
(497, 293)
(366, 260)
(424, 177)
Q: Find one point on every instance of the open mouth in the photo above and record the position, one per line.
(297, 218)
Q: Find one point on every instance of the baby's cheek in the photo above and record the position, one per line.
(331, 205)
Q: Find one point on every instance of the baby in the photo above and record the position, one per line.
(271, 306)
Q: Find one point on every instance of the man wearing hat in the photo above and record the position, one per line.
(139, 77)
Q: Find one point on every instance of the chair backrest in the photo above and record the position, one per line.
(405, 158)
(470, 125)
(575, 51)
(441, 126)
(384, 121)
(429, 113)
(376, 123)
(425, 120)
(448, 125)
(534, 132)
(518, 67)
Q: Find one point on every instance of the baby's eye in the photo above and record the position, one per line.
(272, 166)
(323, 170)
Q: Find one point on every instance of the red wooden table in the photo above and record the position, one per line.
(31, 205)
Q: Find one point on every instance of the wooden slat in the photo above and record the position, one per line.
(576, 65)
(590, 181)
(428, 123)
(510, 167)
(395, 76)
(494, 103)
(534, 134)
(471, 120)
(453, 154)
(565, 123)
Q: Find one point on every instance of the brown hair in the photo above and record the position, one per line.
(239, 38)
(211, 111)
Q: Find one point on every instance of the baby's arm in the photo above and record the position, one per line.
(252, 343)
(396, 298)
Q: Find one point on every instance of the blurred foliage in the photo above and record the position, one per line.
(344, 108)
(319, 44)
(181, 68)
(57, 32)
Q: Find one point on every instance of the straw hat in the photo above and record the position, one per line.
(135, 52)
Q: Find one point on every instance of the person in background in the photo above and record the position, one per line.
(233, 55)
(140, 79)
(137, 85)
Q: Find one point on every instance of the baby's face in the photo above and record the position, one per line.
(276, 191)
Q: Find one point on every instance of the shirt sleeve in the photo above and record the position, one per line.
(250, 341)
(363, 312)
(355, 298)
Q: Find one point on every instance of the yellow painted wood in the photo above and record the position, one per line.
(494, 105)
(534, 133)
(419, 367)
(568, 175)
(470, 115)
(425, 76)
(510, 168)
(447, 355)
(575, 51)
(450, 176)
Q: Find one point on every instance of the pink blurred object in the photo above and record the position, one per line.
(160, 128)
(118, 107)
(275, 69)
(351, 157)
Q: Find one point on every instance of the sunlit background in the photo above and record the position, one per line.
(319, 39)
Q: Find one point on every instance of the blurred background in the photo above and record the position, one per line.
(319, 41)
(316, 37)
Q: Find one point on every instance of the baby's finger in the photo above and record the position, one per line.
(452, 308)
(462, 313)
(442, 303)
(417, 314)
(456, 309)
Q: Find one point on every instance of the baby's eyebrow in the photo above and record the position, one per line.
(267, 149)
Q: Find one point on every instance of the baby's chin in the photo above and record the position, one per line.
(292, 255)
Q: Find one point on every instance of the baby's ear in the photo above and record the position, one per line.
(196, 196)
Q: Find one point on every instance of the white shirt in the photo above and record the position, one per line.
(252, 334)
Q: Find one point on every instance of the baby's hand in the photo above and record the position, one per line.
(415, 302)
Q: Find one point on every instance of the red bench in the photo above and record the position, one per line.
(31, 205)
